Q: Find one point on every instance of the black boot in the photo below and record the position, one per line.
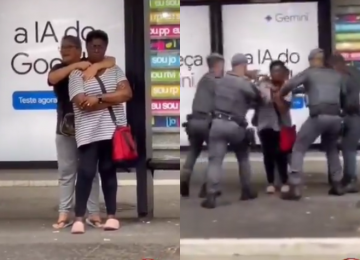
(337, 189)
(248, 193)
(352, 187)
(203, 192)
(184, 189)
(294, 193)
(209, 202)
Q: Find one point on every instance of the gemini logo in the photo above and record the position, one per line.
(285, 18)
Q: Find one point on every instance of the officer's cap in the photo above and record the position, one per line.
(313, 53)
(213, 58)
(239, 59)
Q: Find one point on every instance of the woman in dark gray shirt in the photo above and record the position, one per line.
(272, 114)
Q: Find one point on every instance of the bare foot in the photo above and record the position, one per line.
(94, 221)
(63, 221)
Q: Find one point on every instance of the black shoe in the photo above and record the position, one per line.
(184, 189)
(209, 202)
(293, 194)
(337, 189)
(203, 192)
(248, 194)
(352, 187)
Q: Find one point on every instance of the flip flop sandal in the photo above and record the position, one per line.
(78, 228)
(94, 223)
(112, 224)
(62, 224)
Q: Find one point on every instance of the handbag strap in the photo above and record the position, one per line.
(103, 90)
(277, 112)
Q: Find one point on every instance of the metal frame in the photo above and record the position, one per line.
(137, 46)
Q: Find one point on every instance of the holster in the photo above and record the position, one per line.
(240, 121)
(200, 116)
(250, 136)
(207, 117)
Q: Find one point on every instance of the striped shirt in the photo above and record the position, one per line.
(96, 126)
(267, 117)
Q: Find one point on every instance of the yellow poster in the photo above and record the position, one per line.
(165, 91)
(348, 46)
(165, 18)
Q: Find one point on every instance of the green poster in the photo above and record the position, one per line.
(164, 4)
(165, 76)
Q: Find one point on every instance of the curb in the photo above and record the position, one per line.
(349, 247)
(232, 159)
(55, 183)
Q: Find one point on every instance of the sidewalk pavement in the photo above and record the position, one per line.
(262, 258)
(235, 227)
(26, 216)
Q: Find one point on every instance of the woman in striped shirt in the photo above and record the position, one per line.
(94, 129)
(272, 114)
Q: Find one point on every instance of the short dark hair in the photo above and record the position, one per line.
(73, 39)
(214, 58)
(336, 59)
(277, 63)
(97, 34)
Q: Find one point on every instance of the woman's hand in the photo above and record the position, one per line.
(89, 101)
(90, 72)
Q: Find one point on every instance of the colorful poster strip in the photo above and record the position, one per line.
(165, 31)
(164, 4)
(168, 107)
(165, 62)
(166, 121)
(165, 18)
(347, 37)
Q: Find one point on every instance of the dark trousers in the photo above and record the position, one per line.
(270, 141)
(95, 157)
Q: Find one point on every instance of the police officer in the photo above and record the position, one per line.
(325, 90)
(234, 95)
(351, 132)
(198, 123)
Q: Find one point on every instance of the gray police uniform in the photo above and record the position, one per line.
(351, 134)
(233, 98)
(324, 88)
(198, 123)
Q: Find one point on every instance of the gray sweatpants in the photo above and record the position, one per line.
(67, 166)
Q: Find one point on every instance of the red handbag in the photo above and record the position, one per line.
(124, 145)
(287, 138)
(287, 134)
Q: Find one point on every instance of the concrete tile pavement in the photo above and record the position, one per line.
(238, 226)
(26, 216)
(266, 217)
(262, 258)
(28, 203)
